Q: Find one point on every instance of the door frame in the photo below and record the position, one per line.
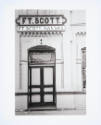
(41, 86)
(42, 48)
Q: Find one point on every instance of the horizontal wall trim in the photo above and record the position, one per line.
(77, 92)
(21, 93)
(68, 93)
(78, 24)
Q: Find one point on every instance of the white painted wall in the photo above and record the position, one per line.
(20, 103)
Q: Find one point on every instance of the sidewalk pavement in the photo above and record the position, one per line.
(54, 112)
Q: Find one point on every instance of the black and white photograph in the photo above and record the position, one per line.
(50, 62)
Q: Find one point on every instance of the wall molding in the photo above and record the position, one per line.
(68, 93)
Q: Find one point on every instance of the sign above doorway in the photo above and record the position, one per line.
(41, 20)
(40, 28)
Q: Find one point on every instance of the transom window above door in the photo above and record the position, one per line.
(41, 54)
(36, 57)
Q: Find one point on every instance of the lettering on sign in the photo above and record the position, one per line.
(40, 28)
(41, 20)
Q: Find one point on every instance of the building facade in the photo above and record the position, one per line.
(50, 59)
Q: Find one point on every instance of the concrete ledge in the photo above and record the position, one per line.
(53, 112)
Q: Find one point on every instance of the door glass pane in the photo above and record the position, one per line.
(35, 98)
(35, 89)
(35, 76)
(48, 76)
(48, 98)
(48, 89)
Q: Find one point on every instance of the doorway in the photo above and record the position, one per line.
(41, 75)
